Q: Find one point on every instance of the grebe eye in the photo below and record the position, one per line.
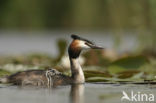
(87, 43)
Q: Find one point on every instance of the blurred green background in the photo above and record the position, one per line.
(137, 17)
(78, 14)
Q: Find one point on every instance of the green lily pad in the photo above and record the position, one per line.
(97, 79)
(93, 73)
(129, 74)
(127, 63)
(4, 73)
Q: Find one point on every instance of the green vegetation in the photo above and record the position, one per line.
(100, 14)
(4, 73)
(132, 68)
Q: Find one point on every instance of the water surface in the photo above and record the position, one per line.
(87, 93)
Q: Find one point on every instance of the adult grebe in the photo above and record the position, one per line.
(52, 77)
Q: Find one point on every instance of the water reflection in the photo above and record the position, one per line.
(77, 93)
(88, 93)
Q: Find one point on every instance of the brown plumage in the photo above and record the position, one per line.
(74, 49)
(37, 78)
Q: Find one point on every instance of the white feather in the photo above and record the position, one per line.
(83, 45)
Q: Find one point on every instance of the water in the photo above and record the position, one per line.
(87, 93)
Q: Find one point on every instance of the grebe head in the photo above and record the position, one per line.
(78, 44)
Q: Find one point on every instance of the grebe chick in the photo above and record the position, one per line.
(52, 77)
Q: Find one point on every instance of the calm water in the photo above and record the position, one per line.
(88, 93)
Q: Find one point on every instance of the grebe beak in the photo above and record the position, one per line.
(93, 46)
(96, 47)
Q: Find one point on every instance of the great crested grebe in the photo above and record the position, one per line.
(52, 77)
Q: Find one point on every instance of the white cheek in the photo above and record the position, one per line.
(83, 45)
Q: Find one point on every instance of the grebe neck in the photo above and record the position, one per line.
(76, 70)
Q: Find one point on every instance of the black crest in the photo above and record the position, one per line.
(80, 38)
(75, 36)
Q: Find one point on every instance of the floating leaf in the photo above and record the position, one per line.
(97, 79)
(93, 73)
(128, 74)
(3, 73)
(131, 62)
